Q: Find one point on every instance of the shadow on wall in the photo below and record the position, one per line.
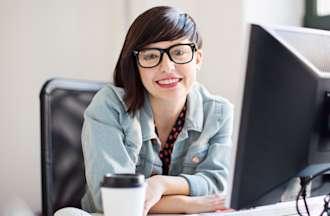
(16, 207)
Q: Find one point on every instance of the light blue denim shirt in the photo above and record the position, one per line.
(115, 142)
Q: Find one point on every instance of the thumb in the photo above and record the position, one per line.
(146, 208)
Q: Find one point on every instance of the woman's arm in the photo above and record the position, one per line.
(211, 173)
(172, 185)
(103, 144)
(188, 205)
(175, 200)
(160, 185)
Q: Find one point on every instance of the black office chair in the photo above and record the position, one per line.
(63, 174)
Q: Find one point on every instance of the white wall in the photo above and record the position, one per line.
(221, 26)
(269, 12)
(39, 40)
(81, 39)
(275, 12)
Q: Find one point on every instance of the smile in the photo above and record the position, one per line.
(168, 83)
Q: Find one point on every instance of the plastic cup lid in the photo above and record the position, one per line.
(122, 180)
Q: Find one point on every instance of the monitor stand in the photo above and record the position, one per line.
(288, 190)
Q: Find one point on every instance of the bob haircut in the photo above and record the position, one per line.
(162, 23)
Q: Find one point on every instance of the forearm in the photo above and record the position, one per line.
(170, 204)
(173, 185)
(168, 194)
(188, 205)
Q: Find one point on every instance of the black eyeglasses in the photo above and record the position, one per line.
(178, 53)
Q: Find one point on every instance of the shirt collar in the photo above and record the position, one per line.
(194, 116)
(147, 120)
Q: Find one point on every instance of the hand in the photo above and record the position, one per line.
(210, 203)
(154, 191)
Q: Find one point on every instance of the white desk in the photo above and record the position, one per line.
(315, 205)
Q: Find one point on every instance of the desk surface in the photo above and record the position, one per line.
(315, 205)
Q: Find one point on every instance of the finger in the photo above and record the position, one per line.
(219, 199)
(145, 212)
(225, 209)
(146, 208)
(219, 196)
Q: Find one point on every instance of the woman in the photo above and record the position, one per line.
(157, 120)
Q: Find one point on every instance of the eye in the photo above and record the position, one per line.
(149, 55)
(178, 52)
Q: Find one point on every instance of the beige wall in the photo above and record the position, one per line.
(221, 25)
(81, 39)
(38, 40)
(279, 12)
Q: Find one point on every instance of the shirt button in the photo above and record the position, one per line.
(195, 160)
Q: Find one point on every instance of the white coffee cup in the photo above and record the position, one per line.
(123, 194)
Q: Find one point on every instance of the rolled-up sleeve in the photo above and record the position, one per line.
(103, 144)
(211, 174)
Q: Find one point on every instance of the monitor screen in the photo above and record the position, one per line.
(284, 120)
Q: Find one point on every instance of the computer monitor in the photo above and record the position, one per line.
(284, 121)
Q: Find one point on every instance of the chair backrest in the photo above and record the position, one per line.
(63, 174)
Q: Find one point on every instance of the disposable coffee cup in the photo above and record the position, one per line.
(123, 194)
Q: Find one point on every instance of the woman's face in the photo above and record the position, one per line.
(168, 80)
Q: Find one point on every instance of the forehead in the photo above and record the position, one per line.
(165, 44)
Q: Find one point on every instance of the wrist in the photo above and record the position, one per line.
(186, 203)
(161, 182)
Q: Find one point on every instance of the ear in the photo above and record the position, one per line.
(199, 58)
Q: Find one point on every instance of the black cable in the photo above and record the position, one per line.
(305, 202)
(304, 183)
(297, 202)
(326, 208)
(302, 193)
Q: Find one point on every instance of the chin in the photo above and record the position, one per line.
(174, 96)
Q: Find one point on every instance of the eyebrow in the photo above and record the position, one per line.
(179, 43)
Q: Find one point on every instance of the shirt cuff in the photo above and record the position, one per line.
(198, 186)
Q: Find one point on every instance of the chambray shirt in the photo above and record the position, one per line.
(115, 142)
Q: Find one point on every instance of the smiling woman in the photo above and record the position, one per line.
(158, 121)
(169, 78)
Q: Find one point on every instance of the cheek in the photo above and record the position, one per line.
(146, 77)
(189, 72)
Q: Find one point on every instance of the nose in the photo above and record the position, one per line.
(166, 64)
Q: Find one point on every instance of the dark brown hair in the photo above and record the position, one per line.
(161, 23)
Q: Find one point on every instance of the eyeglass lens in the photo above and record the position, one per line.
(151, 57)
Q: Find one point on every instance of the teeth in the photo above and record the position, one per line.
(168, 81)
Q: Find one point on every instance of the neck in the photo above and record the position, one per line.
(165, 114)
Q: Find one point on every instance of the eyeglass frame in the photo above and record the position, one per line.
(162, 51)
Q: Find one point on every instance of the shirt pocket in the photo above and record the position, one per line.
(194, 157)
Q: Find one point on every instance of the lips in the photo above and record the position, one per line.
(168, 83)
